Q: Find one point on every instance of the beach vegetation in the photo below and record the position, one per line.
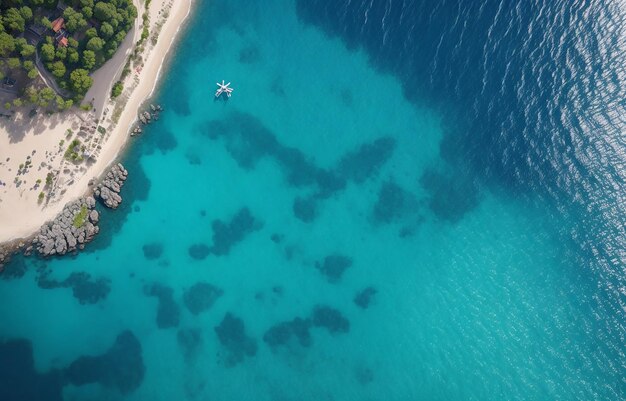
(74, 152)
(49, 178)
(118, 87)
(41, 196)
(81, 217)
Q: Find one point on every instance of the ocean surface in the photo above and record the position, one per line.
(402, 200)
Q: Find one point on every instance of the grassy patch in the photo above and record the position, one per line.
(81, 217)
(74, 152)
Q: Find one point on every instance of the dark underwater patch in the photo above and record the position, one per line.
(20, 381)
(248, 140)
(331, 319)
(226, 235)
(84, 289)
(121, 367)
(164, 140)
(232, 335)
(393, 203)
(249, 55)
(363, 375)
(199, 251)
(451, 195)
(168, 311)
(152, 250)
(201, 297)
(305, 209)
(190, 341)
(15, 269)
(366, 161)
(298, 330)
(281, 334)
(364, 297)
(333, 266)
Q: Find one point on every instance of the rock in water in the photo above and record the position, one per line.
(74, 226)
(109, 188)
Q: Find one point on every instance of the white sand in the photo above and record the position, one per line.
(20, 212)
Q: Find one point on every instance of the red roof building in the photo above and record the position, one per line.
(58, 24)
(63, 41)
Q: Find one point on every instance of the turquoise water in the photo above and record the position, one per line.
(477, 296)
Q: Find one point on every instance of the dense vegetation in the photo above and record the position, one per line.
(94, 29)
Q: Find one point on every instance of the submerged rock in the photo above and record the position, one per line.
(330, 319)
(168, 311)
(281, 333)
(121, 367)
(190, 340)
(232, 335)
(201, 297)
(84, 289)
(363, 298)
(20, 380)
(333, 266)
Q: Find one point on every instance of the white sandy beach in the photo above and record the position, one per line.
(21, 213)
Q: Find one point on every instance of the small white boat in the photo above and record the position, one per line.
(223, 88)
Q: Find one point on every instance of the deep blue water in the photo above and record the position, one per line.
(402, 200)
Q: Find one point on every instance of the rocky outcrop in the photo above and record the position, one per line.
(109, 188)
(75, 226)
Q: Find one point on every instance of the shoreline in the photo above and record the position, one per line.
(140, 86)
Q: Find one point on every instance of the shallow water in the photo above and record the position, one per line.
(368, 224)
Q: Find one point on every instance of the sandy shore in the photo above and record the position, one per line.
(38, 139)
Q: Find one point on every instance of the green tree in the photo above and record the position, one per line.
(87, 12)
(80, 81)
(46, 22)
(86, 3)
(7, 44)
(13, 20)
(27, 51)
(14, 62)
(104, 11)
(91, 33)
(26, 13)
(61, 53)
(72, 42)
(72, 55)
(58, 69)
(60, 103)
(68, 103)
(74, 20)
(47, 94)
(32, 74)
(31, 94)
(7, 105)
(47, 52)
(28, 65)
(106, 30)
(17, 102)
(95, 44)
(89, 59)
